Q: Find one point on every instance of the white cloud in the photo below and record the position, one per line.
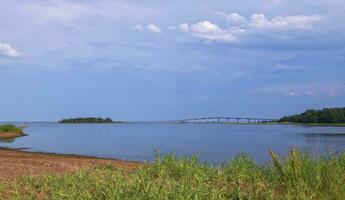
(184, 27)
(210, 31)
(284, 23)
(235, 18)
(304, 89)
(151, 27)
(260, 21)
(205, 27)
(240, 26)
(154, 28)
(8, 50)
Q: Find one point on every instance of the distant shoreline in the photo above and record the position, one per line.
(312, 124)
(87, 120)
(229, 123)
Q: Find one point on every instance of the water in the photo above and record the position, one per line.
(214, 143)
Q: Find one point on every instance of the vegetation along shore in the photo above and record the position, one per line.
(299, 176)
(323, 116)
(88, 120)
(9, 131)
(311, 124)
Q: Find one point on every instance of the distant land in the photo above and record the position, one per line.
(88, 120)
(322, 116)
(325, 116)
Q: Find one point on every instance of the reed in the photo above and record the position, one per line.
(10, 128)
(297, 176)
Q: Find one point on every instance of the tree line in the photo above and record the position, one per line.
(95, 120)
(326, 115)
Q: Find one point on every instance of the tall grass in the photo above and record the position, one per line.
(299, 176)
(10, 128)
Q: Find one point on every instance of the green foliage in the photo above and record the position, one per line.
(93, 120)
(10, 128)
(326, 115)
(299, 176)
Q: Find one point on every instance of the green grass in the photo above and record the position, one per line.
(10, 128)
(299, 176)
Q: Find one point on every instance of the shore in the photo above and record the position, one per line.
(312, 124)
(16, 163)
(297, 176)
(11, 135)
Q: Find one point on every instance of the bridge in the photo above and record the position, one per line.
(222, 120)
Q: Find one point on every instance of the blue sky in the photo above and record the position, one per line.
(151, 60)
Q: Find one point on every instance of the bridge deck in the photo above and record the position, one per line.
(222, 120)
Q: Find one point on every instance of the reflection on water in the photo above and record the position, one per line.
(321, 143)
(337, 135)
(213, 142)
(8, 140)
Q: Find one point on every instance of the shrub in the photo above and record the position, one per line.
(10, 128)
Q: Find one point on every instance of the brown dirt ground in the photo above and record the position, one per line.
(15, 163)
(10, 135)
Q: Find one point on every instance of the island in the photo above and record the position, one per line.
(88, 120)
(325, 116)
(9, 131)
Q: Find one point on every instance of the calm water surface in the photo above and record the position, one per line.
(214, 143)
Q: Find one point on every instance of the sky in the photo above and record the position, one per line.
(159, 60)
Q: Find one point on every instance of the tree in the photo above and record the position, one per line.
(326, 115)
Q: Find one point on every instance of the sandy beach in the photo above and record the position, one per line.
(16, 163)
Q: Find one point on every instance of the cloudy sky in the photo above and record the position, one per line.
(151, 59)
